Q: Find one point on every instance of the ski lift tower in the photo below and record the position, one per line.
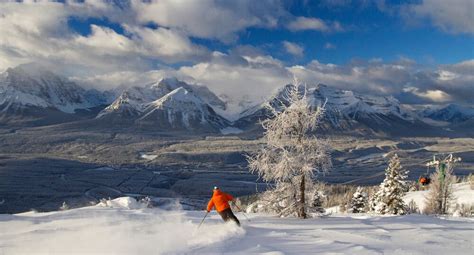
(443, 165)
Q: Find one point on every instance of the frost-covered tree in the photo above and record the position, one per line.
(358, 202)
(317, 200)
(292, 154)
(389, 197)
(278, 200)
(64, 206)
(441, 194)
(373, 201)
(412, 207)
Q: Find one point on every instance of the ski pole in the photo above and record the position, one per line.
(240, 210)
(203, 219)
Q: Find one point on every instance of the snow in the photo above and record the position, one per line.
(122, 202)
(29, 85)
(165, 93)
(178, 96)
(114, 229)
(231, 130)
(343, 104)
(179, 102)
(448, 113)
(104, 168)
(125, 226)
(352, 103)
(462, 192)
(148, 156)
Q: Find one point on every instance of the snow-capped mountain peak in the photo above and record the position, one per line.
(181, 109)
(33, 86)
(345, 109)
(177, 99)
(134, 100)
(450, 113)
(168, 104)
(352, 103)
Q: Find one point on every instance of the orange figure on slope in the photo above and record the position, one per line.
(220, 200)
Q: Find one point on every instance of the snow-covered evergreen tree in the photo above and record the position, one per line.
(373, 201)
(317, 200)
(440, 196)
(389, 197)
(358, 202)
(292, 154)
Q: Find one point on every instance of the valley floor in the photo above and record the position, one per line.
(122, 226)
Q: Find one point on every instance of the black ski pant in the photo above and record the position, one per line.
(227, 215)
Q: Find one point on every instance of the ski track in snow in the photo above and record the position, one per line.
(123, 226)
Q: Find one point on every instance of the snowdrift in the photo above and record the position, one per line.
(120, 226)
(125, 226)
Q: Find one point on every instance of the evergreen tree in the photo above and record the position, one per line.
(373, 201)
(358, 202)
(291, 154)
(317, 202)
(389, 197)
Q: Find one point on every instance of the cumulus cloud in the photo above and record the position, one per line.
(455, 16)
(305, 23)
(446, 83)
(39, 32)
(239, 76)
(214, 19)
(293, 48)
(166, 44)
(464, 67)
(257, 76)
(436, 96)
(158, 38)
(124, 79)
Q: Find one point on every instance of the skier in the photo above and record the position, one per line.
(220, 200)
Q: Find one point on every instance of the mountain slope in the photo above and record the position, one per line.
(31, 92)
(167, 105)
(452, 113)
(181, 109)
(346, 111)
(26, 86)
(133, 101)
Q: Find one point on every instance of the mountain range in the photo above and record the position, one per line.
(32, 96)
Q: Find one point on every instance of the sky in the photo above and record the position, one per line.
(421, 52)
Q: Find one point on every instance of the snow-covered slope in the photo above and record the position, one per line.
(345, 110)
(133, 101)
(181, 109)
(32, 86)
(450, 113)
(130, 103)
(168, 104)
(123, 226)
(462, 192)
(354, 104)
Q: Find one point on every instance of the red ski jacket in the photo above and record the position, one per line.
(220, 200)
